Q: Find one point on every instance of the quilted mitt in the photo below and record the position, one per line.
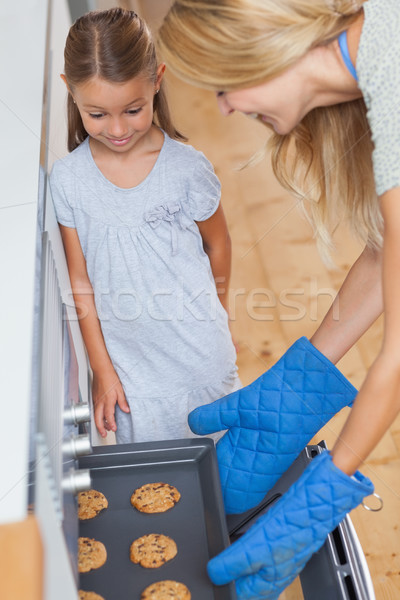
(271, 420)
(266, 559)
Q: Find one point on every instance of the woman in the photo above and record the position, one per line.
(325, 77)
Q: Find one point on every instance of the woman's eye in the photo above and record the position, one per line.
(96, 115)
(134, 111)
(219, 94)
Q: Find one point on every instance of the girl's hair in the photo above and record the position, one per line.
(233, 44)
(117, 46)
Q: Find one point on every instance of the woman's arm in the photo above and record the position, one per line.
(217, 244)
(378, 402)
(107, 388)
(357, 305)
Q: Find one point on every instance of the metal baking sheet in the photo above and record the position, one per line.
(196, 523)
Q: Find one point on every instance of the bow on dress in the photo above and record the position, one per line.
(165, 213)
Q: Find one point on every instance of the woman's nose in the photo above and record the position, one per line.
(223, 105)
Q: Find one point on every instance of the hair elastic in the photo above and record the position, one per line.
(332, 6)
(355, 5)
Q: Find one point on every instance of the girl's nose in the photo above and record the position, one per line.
(223, 105)
(117, 128)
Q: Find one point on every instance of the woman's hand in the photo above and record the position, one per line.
(107, 391)
(357, 305)
(270, 421)
(266, 559)
(378, 402)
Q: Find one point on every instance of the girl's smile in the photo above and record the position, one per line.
(120, 142)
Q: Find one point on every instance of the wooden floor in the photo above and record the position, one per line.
(281, 290)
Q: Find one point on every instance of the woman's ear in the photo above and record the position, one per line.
(160, 74)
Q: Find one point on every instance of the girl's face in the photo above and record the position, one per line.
(282, 102)
(117, 115)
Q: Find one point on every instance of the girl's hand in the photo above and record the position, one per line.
(107, 391)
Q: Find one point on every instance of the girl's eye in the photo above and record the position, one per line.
(134, 111)
(96, 115)
(219, 94)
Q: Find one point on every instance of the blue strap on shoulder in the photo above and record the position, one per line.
(344, 49)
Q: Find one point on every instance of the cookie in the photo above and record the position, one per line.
(92, 554)
(166, 590)
(89, 595)
(153, 550)
(90, 503)
(155, 497)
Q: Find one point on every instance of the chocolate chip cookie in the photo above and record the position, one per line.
(92, 554)
(90, 503)
(153, 550)
(155, 497)
(166, 590)
(89, 595)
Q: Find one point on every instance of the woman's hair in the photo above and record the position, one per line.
(115, 45)
(234, 44)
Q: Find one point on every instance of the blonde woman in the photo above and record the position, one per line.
(325, 77)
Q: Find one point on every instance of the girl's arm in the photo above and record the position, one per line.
(357, 305)
(217, 244)
(107, 388)
(378, 402)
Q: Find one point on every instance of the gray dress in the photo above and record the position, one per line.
(165, 330)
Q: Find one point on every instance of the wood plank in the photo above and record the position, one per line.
(379, 532)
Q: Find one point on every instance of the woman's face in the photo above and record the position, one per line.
(282, 102)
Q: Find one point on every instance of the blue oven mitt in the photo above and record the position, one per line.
(271, 420)
(266, 559)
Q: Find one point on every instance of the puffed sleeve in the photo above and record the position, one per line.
(378, 69)
(204, 190)
(59, 194)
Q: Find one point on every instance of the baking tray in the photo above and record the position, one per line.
(338, 571)
(197, 522)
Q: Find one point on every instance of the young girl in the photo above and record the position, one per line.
(324, 76)
(144, 235)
